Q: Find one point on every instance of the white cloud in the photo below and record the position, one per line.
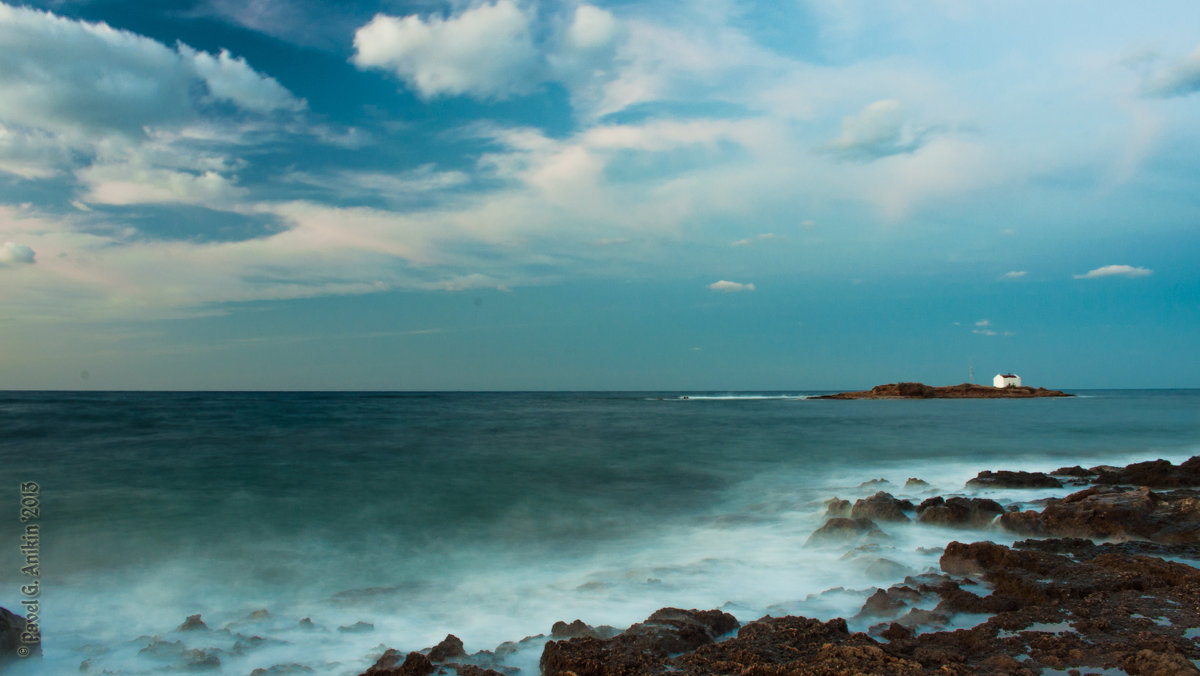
(123, 184)
(1179, 79)
(740, 242)
(230, 78)
(486, 51)
(730, 287)
(12, 253)
(983, 322)
(1015, 274)
(79, 78)
(1115, 271)
(881, 129)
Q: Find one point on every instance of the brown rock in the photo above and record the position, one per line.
(415, 664)
(1154, 473)
(192, 623)
(837, 508)
(845, 530)
(881, 507)
(11, 627)
(642, 648)
(956, 511)
(450, 648)
(1007, 479)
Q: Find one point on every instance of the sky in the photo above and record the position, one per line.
(523, 195)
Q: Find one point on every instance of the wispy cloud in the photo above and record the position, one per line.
(881, 129)
(1177, 79)
(1116, 271)
(730, 287)
(1015, 274)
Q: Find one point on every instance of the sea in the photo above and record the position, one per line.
(310, 531)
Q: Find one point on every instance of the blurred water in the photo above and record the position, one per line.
(489, 515)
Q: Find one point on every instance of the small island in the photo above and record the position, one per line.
(963, 391)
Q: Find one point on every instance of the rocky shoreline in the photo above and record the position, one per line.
(962, 391)
(1102, 580)
(1099, 590)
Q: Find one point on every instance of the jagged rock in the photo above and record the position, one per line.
(956, 511)
(1154, 473)
(1075, 471)
(881, 506)
(450, 648)
(415, 664)
(200, 660)
(1007, 479)
(836, 507)
(914, 482)
(11, 627)
(1100, 512)
(192, 623)
(578, 628)
(291, 669)
(356, 628)
(845, 530)
(881, 604)
(640, 649)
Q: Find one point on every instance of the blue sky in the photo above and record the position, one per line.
(818, 194)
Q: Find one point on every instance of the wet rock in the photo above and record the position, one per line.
(450, 648)
(1024, 522)
(1154, 473)
(359, 627)
(11, 627)
(192, 623)
(291, 669)
(881, 604)
(959, 512)
(881, 507)
(1008, 479)
(914, 482)
(307, 623)
(845, 530)
(872, 483)
(576, 629)
(795, 645)
(896, 632)
(475, 670)
(837, 507)
(1149, 662)
(415, 664)
(642, 648)
(1075, 472)
(201, 660)
(1103, 512)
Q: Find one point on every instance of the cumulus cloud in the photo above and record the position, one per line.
(1178, 79)
(124, 184)
(13, 253)
(494, 50)
(486, 51)
(68, 76)
(881, 129)
(730, 287)
(1116, 271)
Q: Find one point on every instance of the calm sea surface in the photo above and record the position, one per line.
(487, 515)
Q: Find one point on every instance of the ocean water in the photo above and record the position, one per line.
(487, 515)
